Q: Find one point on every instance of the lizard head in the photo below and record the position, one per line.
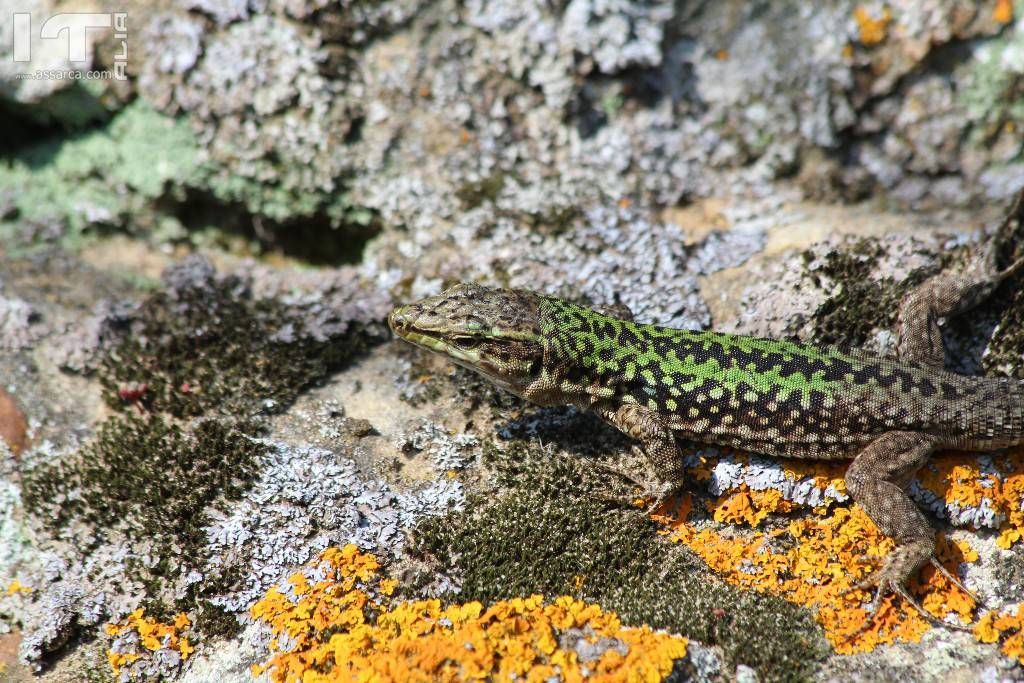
(495, 332)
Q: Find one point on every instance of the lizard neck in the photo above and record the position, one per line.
(573, 337)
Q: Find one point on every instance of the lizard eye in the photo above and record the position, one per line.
(466, 342)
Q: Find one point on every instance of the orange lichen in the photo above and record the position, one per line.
(1003, 11)
(873, 29)
(749, 507)
(957, 479)
(820, 560)
(826, 550)
(153, 636)
(344, 627)
(1006, 626)
(15, 587)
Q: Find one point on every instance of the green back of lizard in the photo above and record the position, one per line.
(772, 396)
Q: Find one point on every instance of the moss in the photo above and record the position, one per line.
(863, 303)
(555, 220)
(549, 531)
(146, 475)
(216, 621)
(475, 194)
(1004, 353)
(192, 373)
(210, 346)
(153, 482)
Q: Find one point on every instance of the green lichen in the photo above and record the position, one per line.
(284, 202)
(992, 95)
(862, 302)
(145, 169)
(211, 346)
(104, 176)
(550, 530)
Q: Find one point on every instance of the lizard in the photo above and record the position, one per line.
(885, 413)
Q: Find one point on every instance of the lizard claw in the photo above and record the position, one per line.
(955, 581)
(658, 492)
(629, 478)
(888, 581)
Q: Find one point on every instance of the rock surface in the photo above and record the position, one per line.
(197, 262)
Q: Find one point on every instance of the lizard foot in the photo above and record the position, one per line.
(650, 489)
(892, 577)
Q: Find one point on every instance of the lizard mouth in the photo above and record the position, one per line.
(403, 325)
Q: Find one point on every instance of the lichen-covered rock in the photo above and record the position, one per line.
(41, 99)
(512, 545)
(109, 177)
(198, 438)
(346, 113)
(306, 500)
(121, 518)
(20, 325)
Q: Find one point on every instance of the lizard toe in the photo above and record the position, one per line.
(891, 580)
(952, 578)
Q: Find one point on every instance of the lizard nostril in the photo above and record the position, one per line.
(396, 321)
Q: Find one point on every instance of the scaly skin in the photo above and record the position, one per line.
(773, 397)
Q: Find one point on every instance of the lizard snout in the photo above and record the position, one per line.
(400, 320)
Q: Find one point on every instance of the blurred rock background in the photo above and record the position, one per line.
(274, 175)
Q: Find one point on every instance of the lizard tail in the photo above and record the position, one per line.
(995, 417)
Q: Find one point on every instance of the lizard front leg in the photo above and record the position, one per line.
(650, 429)
(876, 480)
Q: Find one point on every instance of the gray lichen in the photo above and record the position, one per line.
(306, 500)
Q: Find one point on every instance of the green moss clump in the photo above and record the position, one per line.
(475, 194)
(1003, 356)
(152, 482)
(146, 476)
(549, 532)
(863, 303)
(210, 346)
